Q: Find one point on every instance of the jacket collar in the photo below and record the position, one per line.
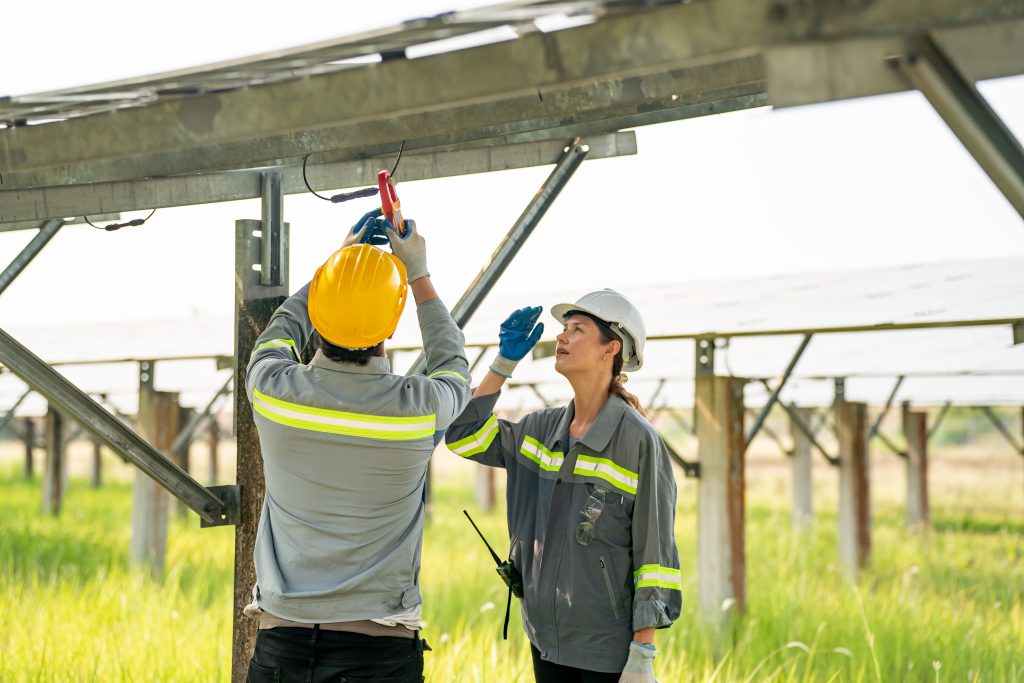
(600, 433)
(378, 365)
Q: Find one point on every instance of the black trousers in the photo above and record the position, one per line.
(310, 655)
(548, 672)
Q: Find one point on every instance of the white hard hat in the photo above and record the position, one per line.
(620, 314)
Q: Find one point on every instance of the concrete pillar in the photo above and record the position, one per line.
(97, 465)
(158, 424)
(254, 304)
(915, 430)
(803, 511)
(184, 459)
(30, 447)
(721, 553)
(55, 477)
(854, 492)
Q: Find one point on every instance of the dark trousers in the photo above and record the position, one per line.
(547, 672)
(310, 655)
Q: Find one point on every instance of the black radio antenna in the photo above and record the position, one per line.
(497, 560)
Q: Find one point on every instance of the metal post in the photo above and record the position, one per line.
(929, 69)
(30, 446)
(55, 478)
(803, 509)
(915, 430)
(46, 232)
(255, 302)
(774, 396)
(938, 419)
(214, 439)
(79, 406)
(6, 419)
(994, 419)
(516, 237)
(96, 479)
(158, 422)
(885, 411)
(854, 499)
(721, 552)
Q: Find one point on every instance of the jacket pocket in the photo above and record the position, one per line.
(608, 586)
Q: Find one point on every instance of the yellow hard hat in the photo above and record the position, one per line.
(357, 296)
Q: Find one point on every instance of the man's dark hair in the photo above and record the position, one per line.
(340, 354)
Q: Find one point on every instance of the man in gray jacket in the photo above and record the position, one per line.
(345, 448)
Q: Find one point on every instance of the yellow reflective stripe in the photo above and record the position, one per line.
(603, 468)
(277, 343)
(340, 422)
(656, 576)
(448, 372)
(535, 451)
(477, 442)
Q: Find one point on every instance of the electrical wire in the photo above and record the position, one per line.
(355, 194)
(134, 223)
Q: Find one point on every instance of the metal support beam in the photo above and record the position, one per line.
(479, 357)
(774, 396)
(9, 415)
(888, 404)
(158, 192)
(994, 419)
(791, 410)
(931, 70)
(272, 246)
(938, 419)
(46, 232)
(890, 445)
(771, 434)
(79, 406)
(654, 396)
(572, 156)
(194, 427)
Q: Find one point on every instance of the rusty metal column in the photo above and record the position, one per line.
(854, 487)
(721, 550)
(915, 430)
(261, 243)
(214, 435)
(55, 477)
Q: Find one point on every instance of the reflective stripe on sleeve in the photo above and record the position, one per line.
(439, 373)
(656, 576)
(477, 442)
(278, 343)
(339, 422)
(535, 451)
(603, 468)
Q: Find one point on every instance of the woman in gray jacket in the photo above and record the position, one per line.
(591, 496)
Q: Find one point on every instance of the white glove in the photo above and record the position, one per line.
(411, 249)
(640, 665)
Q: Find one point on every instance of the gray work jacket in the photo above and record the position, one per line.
(582, 603)
(345, 451)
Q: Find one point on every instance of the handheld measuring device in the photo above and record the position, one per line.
(389, 202)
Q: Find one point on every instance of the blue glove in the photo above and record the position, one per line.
(368, 230)
(519, 333)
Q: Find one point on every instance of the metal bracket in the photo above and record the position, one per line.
(271, 230)
(705, 356)
(840, 383)
(231, 514)
(146, 372)
(930, 69)
(1018, 332)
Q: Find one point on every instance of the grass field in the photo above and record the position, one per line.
(943, 606)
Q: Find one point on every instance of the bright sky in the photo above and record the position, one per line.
(854, 184)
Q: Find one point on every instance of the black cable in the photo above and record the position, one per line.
(134, 223)
(354, 194)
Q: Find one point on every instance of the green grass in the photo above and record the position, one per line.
(947, 605)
